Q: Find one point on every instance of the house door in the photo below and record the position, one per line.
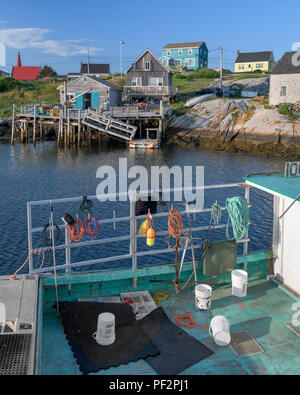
(87, 101)
(249, 67)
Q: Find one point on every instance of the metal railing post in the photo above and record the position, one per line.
(68, 251)
(29, 225)
(246, 244)
(133, 241)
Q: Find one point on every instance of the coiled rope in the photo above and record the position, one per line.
(160, 297)
(184, 320)
(216, 214)
(92, 227)
(76, 231)
(239, 216)
(175, 225)
(32, 252)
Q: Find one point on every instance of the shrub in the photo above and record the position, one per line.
(8, 84)
(179, 76)
(206, 73)
(284, 110)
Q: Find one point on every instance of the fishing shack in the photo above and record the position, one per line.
(88, 91)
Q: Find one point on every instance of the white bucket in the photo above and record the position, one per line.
(220, 330)
(105, 335)
(2, 317)
(239, 283)
(203, 294)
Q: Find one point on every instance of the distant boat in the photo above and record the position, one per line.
(199, 99)
(144, 144)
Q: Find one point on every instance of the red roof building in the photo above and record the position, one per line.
(25, 73)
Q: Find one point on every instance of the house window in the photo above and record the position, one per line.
(148, 65)
(165, 62)
(259, 66)
(177, 62)
(190, 51)
(168, 52)
(190, 62)
(180, 52)
(155, 81)
(283, 91)
(136, 81)
(241, 67)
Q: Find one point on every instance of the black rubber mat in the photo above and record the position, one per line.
(80, 322)
(178, 350)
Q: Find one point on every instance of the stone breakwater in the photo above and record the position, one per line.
(261, 131)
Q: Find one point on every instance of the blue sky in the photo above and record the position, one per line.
(57, 32)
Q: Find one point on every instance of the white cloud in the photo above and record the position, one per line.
(35, 38)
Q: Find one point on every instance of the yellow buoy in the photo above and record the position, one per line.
(144, 227)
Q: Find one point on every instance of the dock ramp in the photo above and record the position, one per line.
(109, 125)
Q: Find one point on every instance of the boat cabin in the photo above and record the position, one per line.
(285, 190)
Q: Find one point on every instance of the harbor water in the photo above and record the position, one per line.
(29, 173)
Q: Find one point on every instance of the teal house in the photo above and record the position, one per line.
(192, 56)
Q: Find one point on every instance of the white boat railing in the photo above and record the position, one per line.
(132, 237)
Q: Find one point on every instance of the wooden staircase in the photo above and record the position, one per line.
(111, 126)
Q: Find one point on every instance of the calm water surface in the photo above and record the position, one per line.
(45, 172)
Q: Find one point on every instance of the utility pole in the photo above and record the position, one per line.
(221, 67)
(122, 43)
(121, 58)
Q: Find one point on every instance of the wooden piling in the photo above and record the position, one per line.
(68, 127)
(34, 125)
(13, 126)
(41, 131)
(79, 128)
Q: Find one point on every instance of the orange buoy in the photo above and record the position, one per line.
(150, 232)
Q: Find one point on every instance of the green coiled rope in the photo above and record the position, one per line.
(239, 216)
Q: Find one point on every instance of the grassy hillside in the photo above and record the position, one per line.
(28, 93)
(45, 92)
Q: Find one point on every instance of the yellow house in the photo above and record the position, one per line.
(253, 61)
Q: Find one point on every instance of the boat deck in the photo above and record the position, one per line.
(263, 313)
(17, 339)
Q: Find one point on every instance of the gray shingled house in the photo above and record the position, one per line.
(285, 80)
(147, 78)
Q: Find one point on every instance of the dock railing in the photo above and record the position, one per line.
(151, 90)
(133, 253)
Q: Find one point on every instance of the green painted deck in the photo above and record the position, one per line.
(263, 313)
(277, 183)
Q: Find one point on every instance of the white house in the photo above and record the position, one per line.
(285, 80)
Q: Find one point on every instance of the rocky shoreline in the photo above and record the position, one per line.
(260, 131)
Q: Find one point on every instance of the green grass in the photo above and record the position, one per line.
(43, 92)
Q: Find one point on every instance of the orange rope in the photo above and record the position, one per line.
(184, 320)
(175, 225)
(76, 231)
(32, 252)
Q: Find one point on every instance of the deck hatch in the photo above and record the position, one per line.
(244, 345)
(15, 351)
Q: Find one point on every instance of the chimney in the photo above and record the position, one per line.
(19, 60)
(238, 53)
